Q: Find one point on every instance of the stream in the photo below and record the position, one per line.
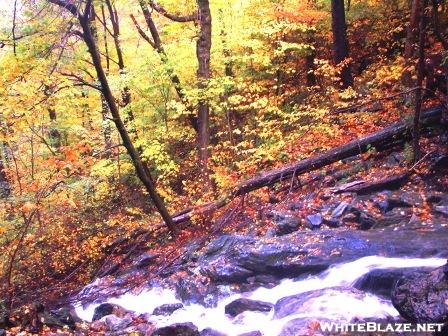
(328, 296)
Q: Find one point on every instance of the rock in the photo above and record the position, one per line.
(332, 222)
(167, 309)
(287, 226)
(2, 332)
(145, 260)
(435, 198)
(381, 281)
(278, 215)
(391, 203)
(241, 305)
(314, 221)
(310, 252)
(190, 290)
(302, 303)
(443, 209)
(295, 206)
(104, 309)
(366, 221)
(440, 163)
(423, 298)
(210, 332)
(115, 323)
(252, 333)
(178, 329)
(339, 210)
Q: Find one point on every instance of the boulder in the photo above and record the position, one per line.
(423, 298)
(381, 281)
(231, 259)
(241, 305)
(211, 332)
(178, 329)
(115, 323)
(105, 309)
(167, 309)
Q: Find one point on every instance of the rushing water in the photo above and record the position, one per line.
(333, 304)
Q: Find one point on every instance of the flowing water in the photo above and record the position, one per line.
(334, 304)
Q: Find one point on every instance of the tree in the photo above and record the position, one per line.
(84, 20)
(203, 47)
(340, 42)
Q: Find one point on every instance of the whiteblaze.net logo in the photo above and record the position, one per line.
(380, 327)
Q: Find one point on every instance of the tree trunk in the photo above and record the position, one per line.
(203, 47)
(340, 42)
(420, 68)
(142, 171)
(411, 39)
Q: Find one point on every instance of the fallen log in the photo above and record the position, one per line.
(397, 133)
(363, 187)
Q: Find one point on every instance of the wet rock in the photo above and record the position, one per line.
(278, 215)
(310, 252)
(167, 309)
(241, 305)
(295, 206)
(287, 226)
(435, 198)
(411, 198)
(199, 290)
(366, 221)
(381, 281)
(440, 163)
(263, 280)
(145, 260)
(301, 303)
(211, 332)
(115, 323)
(105, 309)
(391, 203)
(332, 222)
(178, 329)
(252, 333)
(443, 209)
(339, 210)
(423, 298)
(314, 222)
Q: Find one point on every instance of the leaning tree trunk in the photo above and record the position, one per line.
(140, 168)
(340, 42)
(411, 39)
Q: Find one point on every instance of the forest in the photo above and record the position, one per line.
(142, 126)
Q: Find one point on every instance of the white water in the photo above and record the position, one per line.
(334, 305)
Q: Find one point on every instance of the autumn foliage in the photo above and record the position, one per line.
(69, 188)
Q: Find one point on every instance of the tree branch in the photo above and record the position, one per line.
(142, 33)
(66, 5)
(173, 17)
